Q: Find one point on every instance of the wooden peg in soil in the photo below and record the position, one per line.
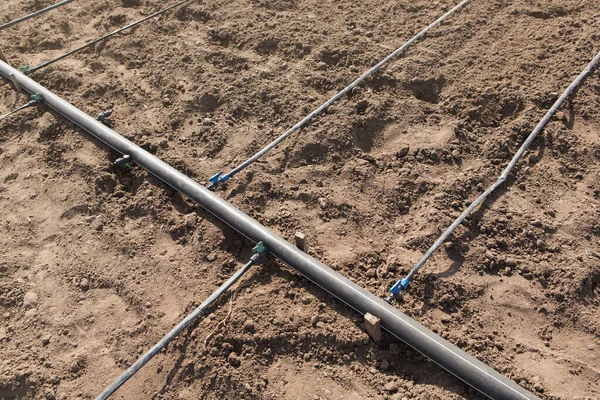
(373, 327)
(302, 242)
(3, 57)
(16, 82)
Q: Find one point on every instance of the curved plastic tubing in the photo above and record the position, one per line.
(451, 358)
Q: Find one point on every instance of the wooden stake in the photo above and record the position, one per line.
(2, 56)
(301, 242)
(373, 327)
(15, 82)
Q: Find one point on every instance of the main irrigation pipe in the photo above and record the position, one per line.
(220, 178)
(34, 14)
(403, 284)
(454, 360)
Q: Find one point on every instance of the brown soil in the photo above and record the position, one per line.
(98, 263)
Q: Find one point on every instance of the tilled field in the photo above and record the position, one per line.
(97, 263)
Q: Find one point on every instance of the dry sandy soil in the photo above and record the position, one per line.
(97, 262)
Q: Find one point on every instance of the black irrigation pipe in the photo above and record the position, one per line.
(403, 284)
(448, 356)
(34, 14)
(27, 70)
(221, 178)
(255, 259)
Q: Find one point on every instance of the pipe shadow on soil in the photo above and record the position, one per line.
(424, 371)
(412, 367)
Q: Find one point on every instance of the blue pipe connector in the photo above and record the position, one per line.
(400, 286)
(102, 117)
(217, 179)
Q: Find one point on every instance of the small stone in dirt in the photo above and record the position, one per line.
(75, 367)
(537, 384)
(3, 334)
(190, 220)
(385, 365)
(402, 152)
(249, 325)
(31, 313)
(391, 387)
(532, 159)
(211, 257)
(227, 346)
(527, 275)
(84, 284)
(322, 203)
(394, 348)
(148, 304)
(11, 177)
(536, 222)
(314, 320)
(234, 360)
(30, 299)
(456, 154)
(371, 273)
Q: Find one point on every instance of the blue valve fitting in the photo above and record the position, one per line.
(217, 179)
(103, 116)
(36, 99)
(400, 286)
(259, 252)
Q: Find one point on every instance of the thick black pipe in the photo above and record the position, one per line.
(451, 358)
